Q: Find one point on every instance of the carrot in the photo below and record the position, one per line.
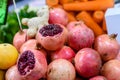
(72, 13)
(88, 20)
(76, 1)
(65, 1)
(83, 0)
(98, 16)
(71, 17)
(89, 5)
(104, 26)
(90, 12)
(58, 6)
(52, 2)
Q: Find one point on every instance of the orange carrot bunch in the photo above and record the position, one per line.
(92, 12)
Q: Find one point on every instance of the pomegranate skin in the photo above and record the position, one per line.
(53, 42)
(19, 39)
(65, 52)
(78, 79)
(111, 70)
(118, 56)
(80, 37)
(40, 66)
(32, 44)
(13, 74)
(99, 77)
(58, 15)
(87, 62)
(73, 24)
(61, 69)
(28, 45)
(107, 46)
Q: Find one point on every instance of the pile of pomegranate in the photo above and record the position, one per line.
(65, 50)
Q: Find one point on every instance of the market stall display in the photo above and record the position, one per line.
(57, 42)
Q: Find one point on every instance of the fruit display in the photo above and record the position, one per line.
(54, 46)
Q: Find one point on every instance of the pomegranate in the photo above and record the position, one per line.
(73, 24)
(80, 36)
(32, 44)
(61, 69)
(32, 65)
(111, 70)
(52, 36)
(20, 38)
(99, 77)
(78, 78)
(65, 52)
(13, 74)
(58, 15)
(29, 44)
(118, 56)
(107, 46)
(87, 62)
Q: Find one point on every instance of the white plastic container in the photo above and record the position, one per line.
(112, 17)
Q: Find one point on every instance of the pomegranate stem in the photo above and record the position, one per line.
(113, 36)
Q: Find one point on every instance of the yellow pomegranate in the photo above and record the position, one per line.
(2, 75)
(8, 55)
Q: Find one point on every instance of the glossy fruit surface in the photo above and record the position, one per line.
(8, 55)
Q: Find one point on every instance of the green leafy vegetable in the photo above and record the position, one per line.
(8, 30)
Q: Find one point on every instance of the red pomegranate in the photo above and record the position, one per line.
(107, 46)
(58, 15)
(61, 69)
(80, 36)
(65, 53)
(111, 70)
(52, 36)
(13, 74)
(32, 44)
(99, 77)
(29, 44)
(118, 56)
(19, 38)
(87, 62)
(32, 65)
(73, 24)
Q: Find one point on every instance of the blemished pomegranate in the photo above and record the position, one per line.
(73, 24)
(99, 77)
(87, 62)
(61, 69)
(65, 53)
(32, 65)
(107, 46)
(58, 15)
(80, 36)
(111, 70)
(20, 38)
(32, 44)
(52, 36)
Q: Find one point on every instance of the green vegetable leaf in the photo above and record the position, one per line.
(8, 30)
